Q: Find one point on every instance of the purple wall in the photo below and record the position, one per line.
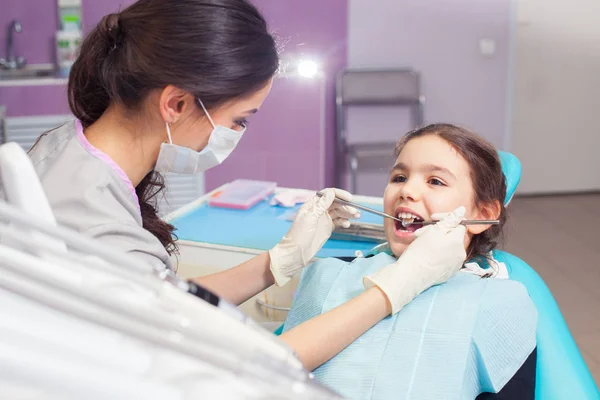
(34, 100)
(39, 19)
(282, 143)
(36, 42)
(94, 10)
(310, 27)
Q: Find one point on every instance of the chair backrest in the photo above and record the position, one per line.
(368, 87)
(23, 189)
(387, 89)
(561, 370)
(511, 167)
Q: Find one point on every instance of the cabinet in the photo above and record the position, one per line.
(26, 130)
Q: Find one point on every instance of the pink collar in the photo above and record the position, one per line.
(104, 157)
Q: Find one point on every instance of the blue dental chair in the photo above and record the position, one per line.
(561, 371)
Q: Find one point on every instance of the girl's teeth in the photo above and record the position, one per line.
(407, 221)
(406, 215)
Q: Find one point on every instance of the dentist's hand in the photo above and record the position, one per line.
(437, 253)
(313, 226)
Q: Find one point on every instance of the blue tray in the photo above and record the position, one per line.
(259, 228)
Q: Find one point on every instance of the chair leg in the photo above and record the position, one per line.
(353, 172)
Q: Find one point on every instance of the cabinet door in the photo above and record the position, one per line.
(26, 130)
(180, 190)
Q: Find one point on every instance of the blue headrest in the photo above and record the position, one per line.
(511, 166)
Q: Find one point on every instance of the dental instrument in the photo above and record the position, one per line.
(464, 222)
(405, 223)
(360, 231)
(360, 207)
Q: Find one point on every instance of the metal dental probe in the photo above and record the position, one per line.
(424, 223)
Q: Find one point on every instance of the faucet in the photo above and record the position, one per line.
(12, 62)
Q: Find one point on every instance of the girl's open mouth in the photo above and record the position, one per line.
(407, 226)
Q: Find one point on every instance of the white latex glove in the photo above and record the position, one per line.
(312, 227)
(437, 253)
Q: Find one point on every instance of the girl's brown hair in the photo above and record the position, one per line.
(489, 183)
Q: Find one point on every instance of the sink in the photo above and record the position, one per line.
(26, 73)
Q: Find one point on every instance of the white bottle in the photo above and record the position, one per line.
(67, 46)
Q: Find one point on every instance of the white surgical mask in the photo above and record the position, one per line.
(183, 160)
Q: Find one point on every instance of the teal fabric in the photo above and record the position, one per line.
(511, 166)
(454, 341)
(561, 370)
(279, 331)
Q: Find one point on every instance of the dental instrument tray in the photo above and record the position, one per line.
(242, 194)
(360, 231)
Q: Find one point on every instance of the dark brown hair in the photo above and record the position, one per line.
(489, 183)
(217, 50)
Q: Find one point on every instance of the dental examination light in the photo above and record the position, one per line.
(308, 68)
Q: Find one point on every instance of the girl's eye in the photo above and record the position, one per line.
(436, 182)
(399, 179)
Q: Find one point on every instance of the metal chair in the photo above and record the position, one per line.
(370, 88)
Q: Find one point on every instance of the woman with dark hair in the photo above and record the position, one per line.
(167, 86)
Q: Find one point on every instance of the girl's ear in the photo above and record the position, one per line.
(490, 210)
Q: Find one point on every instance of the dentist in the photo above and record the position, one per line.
(168, 86)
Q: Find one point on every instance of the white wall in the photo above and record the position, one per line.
(556, 130)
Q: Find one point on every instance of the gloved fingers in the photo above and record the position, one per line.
(342, 222)
(421, 231)
(349, 210)
(368, 282)
(459, 231)
(344, 212)
(439, 216)
(342, 194)
(458, 212)
(324, 203)
(453, 219)
(327, 200)
(309, 205)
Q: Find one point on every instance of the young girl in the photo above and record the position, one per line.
(471, 337)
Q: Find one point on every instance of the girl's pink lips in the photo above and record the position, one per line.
(403, 234)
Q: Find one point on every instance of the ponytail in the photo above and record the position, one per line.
(217, 50)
